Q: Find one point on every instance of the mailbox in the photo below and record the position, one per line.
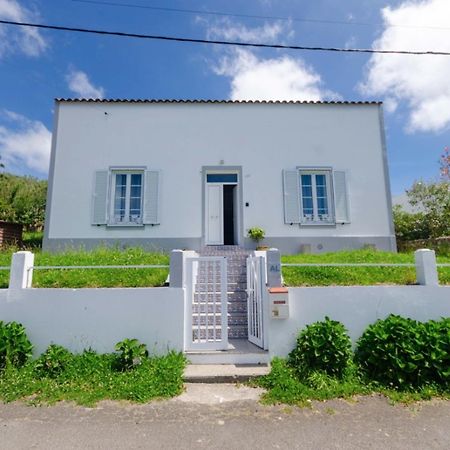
(279, 302)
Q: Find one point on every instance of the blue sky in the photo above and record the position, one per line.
(37, 66)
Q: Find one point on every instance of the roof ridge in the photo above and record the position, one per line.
(121, 100)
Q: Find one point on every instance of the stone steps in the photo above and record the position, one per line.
(236, 289)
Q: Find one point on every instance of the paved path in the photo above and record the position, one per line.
(212, 418)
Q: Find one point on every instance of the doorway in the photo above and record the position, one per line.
(221, 209)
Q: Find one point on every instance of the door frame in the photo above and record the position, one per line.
(238, 206)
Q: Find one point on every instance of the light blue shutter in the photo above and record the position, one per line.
(341, 206)
(151, 197)
(100, 198)
(291, 196)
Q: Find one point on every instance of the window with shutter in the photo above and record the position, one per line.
(126, 197)
(315, 197)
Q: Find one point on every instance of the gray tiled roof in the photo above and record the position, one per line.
(121, 100)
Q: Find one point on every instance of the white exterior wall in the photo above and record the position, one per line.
(179, 139)
(356, 307)
(97, 318)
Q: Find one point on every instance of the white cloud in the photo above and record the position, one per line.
(27, 143)
(419, 82)
(282, 78)
(225, 29)
(27, 40)
(257, 78)
(80, 85)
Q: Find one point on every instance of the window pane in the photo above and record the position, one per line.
(307, 191)
(221, 178)
(321, 180)
(135, 206)
(135, 191)
(322, 206)
(136, 179)
(306, 180)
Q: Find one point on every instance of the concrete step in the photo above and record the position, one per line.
(224, 373)
(240, 351)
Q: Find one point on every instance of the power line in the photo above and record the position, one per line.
(217, 42)
(254, 16)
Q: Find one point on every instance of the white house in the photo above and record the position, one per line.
(188, 174)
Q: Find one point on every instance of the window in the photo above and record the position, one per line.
(315, 197)
(127, 198)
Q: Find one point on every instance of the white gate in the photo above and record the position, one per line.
(207, 323)
(255, 292)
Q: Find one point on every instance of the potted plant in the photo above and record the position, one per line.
(256, 234)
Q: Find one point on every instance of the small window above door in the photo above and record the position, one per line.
(221, 178)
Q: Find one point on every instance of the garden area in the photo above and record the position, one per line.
(401, 358)
(84, 378)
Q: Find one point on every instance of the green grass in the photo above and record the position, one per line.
(91, 377)
(283, 386)
(348, 276)
(84, 278)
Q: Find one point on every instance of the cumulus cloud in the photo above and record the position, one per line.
(282, 78)
(24, 39)
(79, 84)
(24, 143)
(421, 83)
(253, 77)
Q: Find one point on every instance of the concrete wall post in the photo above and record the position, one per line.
(273, 267)
(21, 274)
(426, 269)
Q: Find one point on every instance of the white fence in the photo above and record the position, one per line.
(98, 318)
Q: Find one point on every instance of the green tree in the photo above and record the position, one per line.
(22, 200)
(433, 199)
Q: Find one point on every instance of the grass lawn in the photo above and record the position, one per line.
(90, 377)
(84, 278)
(347, 276)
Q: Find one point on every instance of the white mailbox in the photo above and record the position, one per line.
(279, 302)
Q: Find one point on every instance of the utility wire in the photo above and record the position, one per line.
(254, 16)
(217, 42)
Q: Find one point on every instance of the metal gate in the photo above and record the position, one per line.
(255, 287)
(207, 323)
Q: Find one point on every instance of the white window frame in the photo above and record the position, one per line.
(315, 219)
(112, 219)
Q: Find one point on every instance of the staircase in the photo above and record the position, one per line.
(236, 286)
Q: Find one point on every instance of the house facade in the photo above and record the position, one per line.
(189, 174)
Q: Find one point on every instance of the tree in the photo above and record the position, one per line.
(22, 200)
(433, 199)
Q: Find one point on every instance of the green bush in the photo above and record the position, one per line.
(132, 353)
(53, 361)
(15, 347)
(403, 353)
(256, 234)
(322, 346)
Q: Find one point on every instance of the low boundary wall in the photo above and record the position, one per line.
(356, 307)
(97, 318)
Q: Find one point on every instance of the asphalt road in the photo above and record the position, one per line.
(208, 419)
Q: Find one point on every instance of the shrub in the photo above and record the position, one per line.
(132, 353)
(322, 346)
(256, 234)
(15, 347)
(53, 361)
(403, 353)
